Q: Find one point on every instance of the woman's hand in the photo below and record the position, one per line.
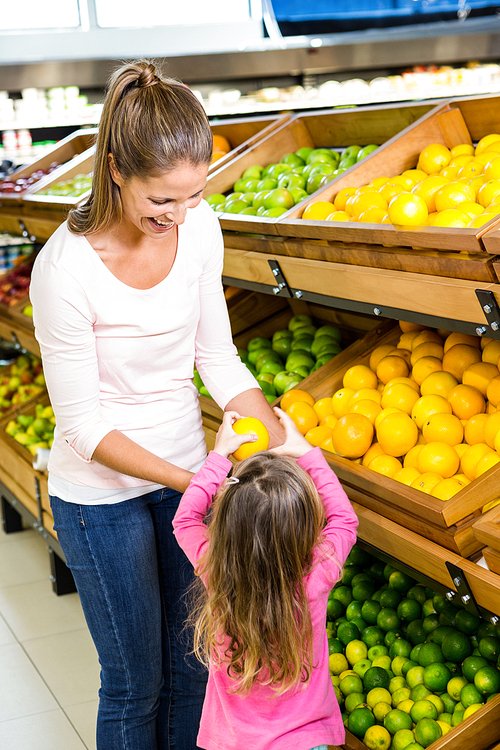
(295, 444)
(227, 441)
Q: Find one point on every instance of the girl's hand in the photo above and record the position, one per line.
(227, 441)
(295, 444)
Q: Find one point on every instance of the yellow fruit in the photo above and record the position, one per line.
(384, 413)
(426, 481)
(407, 381)
(466, 401)
(490, 505)
(397, 434)
(488, 192)
(474, 429)
(410, 460)
(317, 435)
(329, 421)
(438, 384)
(459, 357)
(493, 391)
(452, 217)
(434, 157)
(462, 148)
(424, 367)
(471, 208)
(342, 197)
(317, 211)
(487, 462)
(470, 170)
(479, 375)
(402, 353)
(407, 326)
(460, 160)
(406, 339)
(480, 220)
(359, 376)
(248, 425)
(460, 449)
(337, 663)
(367, 407)
(293, 395)
(427, 189)
(323, 407)
(491, 427)
(379, 353)
(438, 457)
(359, 203)
(340, 401)
(391, 367)
(446, 428)
(373, 451)
(390, 190)
(471, 457)
(486, 141)
(352, 435)
(426, 406)
(327, 445)
(427, 349)
(377, 737)
(492, 169)
(365, 393)
(427, 335)
(491, 352)
(399, 396)
(386, 465)
(447, 488)
(406, 475)
(338, 216)
(461, 338)
(303, 415)
(408, 210)
(451, 173)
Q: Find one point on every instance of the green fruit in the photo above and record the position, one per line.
(436, 677)
(359, 721)
(489, 647)
(303, 153)
(266, 184)
(387, 619)
(252, 173)
(298, 194)
(469, 695)
(258, 342)
(258, 201)
(299, 357)
(343, 594)
(348, 631)
(471, 665)
(273, 213)
(430, 653)
(249, 211)
(215, 199)
(365, 151)
(235, 206)
(415, 632)
(291, 180)
(427, 731)
(390, 598)
(334, 609)
(370, 610)
(487, 680)
(316, 182)
(373, 636)
(456, 647)
(408, 610)
(294, 160)
(376, 677)
(350, 152)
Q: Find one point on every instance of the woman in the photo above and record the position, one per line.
(127, 297)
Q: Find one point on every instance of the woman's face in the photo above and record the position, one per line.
(155, 205)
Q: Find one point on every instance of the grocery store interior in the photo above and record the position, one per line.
(356, 180)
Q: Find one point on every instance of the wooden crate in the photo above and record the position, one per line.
(242, 133)
(326, 128)
(81, 164)
(450, 123)
(487, 531)
(63, 152)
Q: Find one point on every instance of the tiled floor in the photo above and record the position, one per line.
(49, 673)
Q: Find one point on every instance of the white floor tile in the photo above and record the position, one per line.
(84, 719)
(23, 559)
(22, 690)
(46, 731)
(33, 610)
(6, 634)
(69, 665)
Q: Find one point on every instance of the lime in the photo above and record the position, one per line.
(383, 662)
(359, 721)
(391, 636)
(342, 593)
(415, 652)
(429, 654)
(456, 646)
(472, 710)
(352, 683)
(487, 680)
(449, 703)
(370, 610)
(457, 717)
(387, 619)
(419, 692)
(361, 666)
(455, 685)
(445, 717)
(377, 738)
(400, 581)
(335, 646)
(415, 676)
(471, 665)
(415, 632)
(376, 677)
(486, 628)
(439, 601)
(363, 590)
(407, 666)
(428, 608)
(396, 720)
(346, 632)
(376, 695)
(418, 593)
(373, 636)
(436, 700)
(466, 622)
(376, 570)
(427, 731)
(360, 577)
(400, 647)
(398, 663)
(355, 651)
(376, 595)
(380, 711)
(377, 650)
(338, 694)
(337, 663)
(353, 700)
(353, 610)
(396, 683)
(360, 623)
(436, 677)
(390, 598)
(409, 609)
(422, 709)
(430, 623)
(489, 647)
(358, 556)
(439, 634)
(444, 726)
(349, 572)
(334, 609)
(448, 615)
(401, 695)
(406, 705)
(470, 695)
(402, 739)
(453, 667)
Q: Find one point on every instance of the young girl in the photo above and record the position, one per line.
(268, 562)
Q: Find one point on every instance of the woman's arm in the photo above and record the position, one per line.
(253, 403)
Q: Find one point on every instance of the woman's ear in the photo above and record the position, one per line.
(115, 175)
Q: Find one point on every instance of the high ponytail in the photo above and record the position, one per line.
(150, 124)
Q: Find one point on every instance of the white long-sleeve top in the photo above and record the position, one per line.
(116, 357)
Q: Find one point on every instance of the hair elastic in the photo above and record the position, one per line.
(232, 480)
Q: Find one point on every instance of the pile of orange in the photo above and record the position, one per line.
(424, 411)
(221, 147)
(457, 187)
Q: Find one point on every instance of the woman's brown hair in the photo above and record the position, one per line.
(253, 618)
(150, 125)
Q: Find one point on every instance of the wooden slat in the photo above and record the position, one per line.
(487, 527)
(492, 557)
(243, 133)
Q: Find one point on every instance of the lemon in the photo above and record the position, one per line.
(337, 663)
(377, 738)
(355, 651)
(377, 695)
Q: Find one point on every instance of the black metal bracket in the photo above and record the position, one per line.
(463, 589)
(490, 309)
(24, 231)
(281, 285)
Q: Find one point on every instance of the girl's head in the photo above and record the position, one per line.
(150, 125)
(262, 534)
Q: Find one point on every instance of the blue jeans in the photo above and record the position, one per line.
(131, 576)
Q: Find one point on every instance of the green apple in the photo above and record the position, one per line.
(350, 151)
(307, 330)
(299, 320)
(322, 168)
(279, 198)
(303, 153)
(258, 200)
(215, 199)
(258, 342)
(275, 170)
(273, 213)
(252, 173)
(273, 368)
(284, 381)
(204, 392)
(295, 381)
(235, 206)
(283, 346)
(365, 151)
(266, 184)
(298, 194)
(293, 159)
(291, 179)
(248, 197)
(243, 355)
(329, 330)
(245, 186)
(254, 355)
(302, 371)
(283, 333)
(332, 349)
(298, 358)
(234, 196)
(268, 390)
(347, 163)
(304, 344)
(265, 377)
(316, 182)
(249, 211)
(268, 356)
(321, 154)
(320, 342)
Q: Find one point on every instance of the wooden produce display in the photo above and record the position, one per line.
(331, 128)
(450, 124)
(242, 133)
(487, 532)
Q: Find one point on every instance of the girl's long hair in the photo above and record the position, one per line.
(253, 618)
(150, 124)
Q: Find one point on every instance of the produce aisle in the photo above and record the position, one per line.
(315, 301)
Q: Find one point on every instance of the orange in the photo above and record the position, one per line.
(474, 429)
(359, 376)
(293, 395)
(447, 488)
(317, 435)
(368, 407)
(365, 393)
(386, 465)
(323, 407)
(390, 190)
(340, 401)
(445, 428)
(403, 353)
(426, 481)
(491, 427)
(462, 148)
(459, 357)
(488, 192)
(379, 182)
(427, 335)
(373, 451)
(352, 435)
(407, 381)
(338, 216)
(460, 160)
(329, 421)
(470, 458)
(410, 460)
(424, 367)
(361, 202)
(247, 425)
(303, 415)
(406, 475)
(427, 349)
(342, 196)
(407, 326)
(471, 208)
(480, 220)
(486, 462)
(452, 217)
(460, 449)
(490, 409)
(384, 413)
(493, 391)
(327, 445)
(221, 143)
(433, 158)
(317, 211)
(408, 210)
(426, 406)
(451, 173)
(405, 181)
(415, 174)
(391, 367)
(400, 396)
(470, 170)
(405, 340)
(438, 383)
(466, 401)
(428, 188)
(491, 352)
(479, 375)
(397, 434)
(486, 141)
(438, 457)
(492, 169)
(461, 338)
(379, 353)
(485, 341)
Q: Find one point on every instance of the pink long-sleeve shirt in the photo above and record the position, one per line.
(309, 715)
(116, 357)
